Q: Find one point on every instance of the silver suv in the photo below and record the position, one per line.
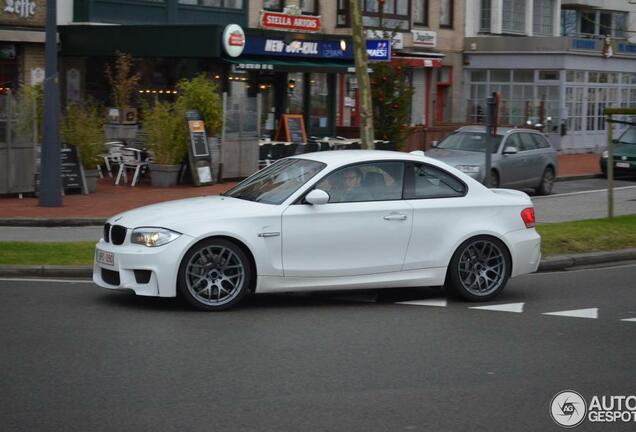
(521, 158)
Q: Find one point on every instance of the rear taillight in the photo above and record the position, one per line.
(528, 217)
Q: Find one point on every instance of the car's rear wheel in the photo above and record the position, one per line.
(214, 275)
(494, 179)
(479, 269)
(547, 181)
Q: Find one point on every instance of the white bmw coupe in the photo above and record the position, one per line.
(325, 221)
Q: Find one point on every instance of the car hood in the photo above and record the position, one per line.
(457, 157)
(182, 215)
(624, 150)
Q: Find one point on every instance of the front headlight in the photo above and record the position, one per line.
(604, 155)
(468, 169)
(152, 237)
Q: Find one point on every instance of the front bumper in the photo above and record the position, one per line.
(619, 170)
(162, 262)
(525, 248)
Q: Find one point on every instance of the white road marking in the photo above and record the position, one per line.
(591, 313)
(629, 319)
(508, 307)
(45, 280)
(580, 193)
(431, 302)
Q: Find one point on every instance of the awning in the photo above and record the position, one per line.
(31, 36)
(251, 63)
(181, 41)
(418, 62)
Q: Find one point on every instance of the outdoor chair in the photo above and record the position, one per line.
(112, 156)
(264, 151)
(310, 147)
(324, 146)
(132, 159)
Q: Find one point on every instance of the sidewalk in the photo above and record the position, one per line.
(110, 199)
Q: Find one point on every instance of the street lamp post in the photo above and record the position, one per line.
(50, 179)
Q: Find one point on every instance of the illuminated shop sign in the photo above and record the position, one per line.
(377, 50)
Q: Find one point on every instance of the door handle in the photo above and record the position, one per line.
(395, 216)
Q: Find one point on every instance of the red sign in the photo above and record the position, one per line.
(418, 62)
(282, 21)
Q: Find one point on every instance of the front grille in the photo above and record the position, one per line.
(110, 277)
(107, 233)
(118, 234)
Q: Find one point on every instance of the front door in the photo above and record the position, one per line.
(363, 229)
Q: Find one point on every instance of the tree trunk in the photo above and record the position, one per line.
(362, 74)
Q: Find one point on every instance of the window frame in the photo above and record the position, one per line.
(301, 199)
(451, 12)
(314, 12)
(279, 9)
(408, 192)
(426, 7)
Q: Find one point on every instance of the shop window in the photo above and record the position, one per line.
(522, 75)
(295, 93)
(273, 5)
(420, 12)
(228, 4)
(500, 75)
(548, 75)
(319, 102)
(514, 16)
(478, 76)
(543, 14)
(446, 13)
(309, 7)
(485, 12)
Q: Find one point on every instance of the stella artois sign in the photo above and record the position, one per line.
(291, 19)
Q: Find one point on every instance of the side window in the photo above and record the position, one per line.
(513, 141)
(432, 182)
(540, 141)
(527, 143)
(378, 181)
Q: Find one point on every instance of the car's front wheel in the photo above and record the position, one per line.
(479, 269)
(214, 275)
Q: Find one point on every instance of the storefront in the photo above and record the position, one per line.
(566, 91)
(21, 43)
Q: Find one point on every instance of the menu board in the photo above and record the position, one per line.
(198, 150)
(71, 170)
(292, 129)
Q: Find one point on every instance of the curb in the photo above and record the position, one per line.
(564, 262)
(46, 271)
(578, 177)
(51, 222)
(556, 263)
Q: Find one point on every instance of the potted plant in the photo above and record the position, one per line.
(164, 125)
(83, 126)
(201, 94)
(123, 85)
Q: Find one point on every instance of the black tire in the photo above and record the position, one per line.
(494, 179)
(462, 266)
(547, 182)
(214, 267)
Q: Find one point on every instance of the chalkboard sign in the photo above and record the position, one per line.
(198, 151)
(71, 170)
(292, 128)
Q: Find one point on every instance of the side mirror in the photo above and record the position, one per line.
(434, 144)
(510, 150)
(317, 197)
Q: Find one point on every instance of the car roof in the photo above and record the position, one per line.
(500, 130)
(345, 157)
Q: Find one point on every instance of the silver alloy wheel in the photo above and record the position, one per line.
(482, 267)
(214, 275)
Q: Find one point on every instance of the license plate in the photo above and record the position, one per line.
(107, 258)
(622, 164)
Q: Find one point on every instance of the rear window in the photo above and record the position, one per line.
(432, 182)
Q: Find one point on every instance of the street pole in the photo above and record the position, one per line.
(362, 75)
(50, 180)
(610, 167)
(491, 106)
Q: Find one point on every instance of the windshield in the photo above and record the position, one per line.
(629, 136)
(277, 182)
(469, 141)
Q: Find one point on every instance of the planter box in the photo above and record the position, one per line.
(164, 175)
(91, 177)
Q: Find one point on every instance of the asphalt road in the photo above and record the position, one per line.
(78, 358)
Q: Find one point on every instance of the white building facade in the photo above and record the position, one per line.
(555, 62)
